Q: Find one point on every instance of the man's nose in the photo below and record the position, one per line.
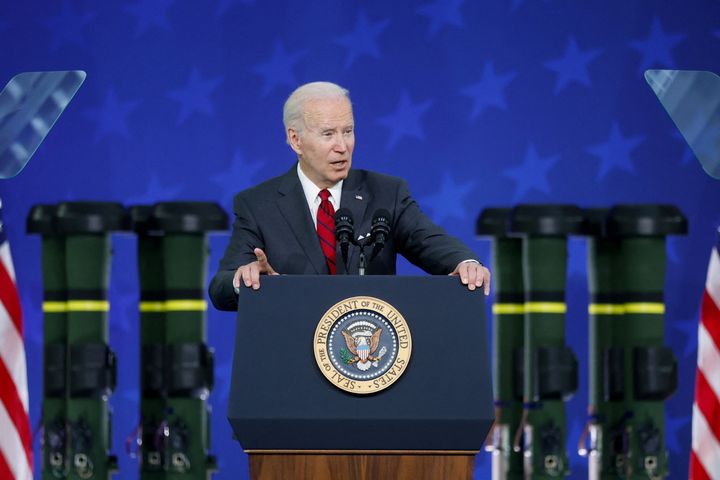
(340, 144)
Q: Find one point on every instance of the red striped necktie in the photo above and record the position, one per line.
(326, 229)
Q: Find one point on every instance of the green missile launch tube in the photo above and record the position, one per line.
(605, 322)
(632, 372)
(55, 460)
(177, 363)
(86, 227)
(549, 366)
(152, 334)
(508, 319)
(79, 366)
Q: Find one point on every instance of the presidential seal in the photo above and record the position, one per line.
(362, 345)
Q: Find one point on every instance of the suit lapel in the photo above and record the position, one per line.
(294, 208)
(355, 198)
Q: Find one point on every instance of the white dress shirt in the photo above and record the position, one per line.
(312, 194)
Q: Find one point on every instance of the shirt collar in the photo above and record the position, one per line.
(311, 190)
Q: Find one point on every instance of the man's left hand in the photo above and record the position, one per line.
(474, 275)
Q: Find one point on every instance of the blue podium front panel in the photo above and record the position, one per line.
(280, 399)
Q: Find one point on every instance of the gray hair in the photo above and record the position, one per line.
(295, 104)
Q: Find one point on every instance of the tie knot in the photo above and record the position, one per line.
(324, 194)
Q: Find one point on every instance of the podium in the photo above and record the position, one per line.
(295, 423)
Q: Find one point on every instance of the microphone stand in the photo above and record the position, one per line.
(363, 262)
(361, 268)
(366, 242)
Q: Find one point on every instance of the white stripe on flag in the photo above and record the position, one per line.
(12, 447)
(705, 445)
(709, 359)
(12, 354)
(712, 282)
(7, 260)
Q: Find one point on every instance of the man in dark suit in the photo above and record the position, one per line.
(281, 225)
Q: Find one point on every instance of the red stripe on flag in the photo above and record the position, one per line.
(9, 397)
(710, 317)
(708, 404)
(697, 472)
(5, 471)
(9, 298)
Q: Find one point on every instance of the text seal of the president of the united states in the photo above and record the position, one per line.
(362, 345)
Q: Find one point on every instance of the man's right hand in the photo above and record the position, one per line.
(250, 273)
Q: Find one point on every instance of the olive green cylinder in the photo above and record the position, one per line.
(79, 367)
(631, 372)
(643, 273)
(87, 259)
(55, 461)
(185, 274)
(544, 267)
(508, 318)
(172, 260)
(508, 322)
(185, 262)
(549, 366)
(607, 411)
(152, 334)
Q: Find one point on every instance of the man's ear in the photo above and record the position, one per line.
(294, 140)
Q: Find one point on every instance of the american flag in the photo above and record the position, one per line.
(15, 437)
(705, 455)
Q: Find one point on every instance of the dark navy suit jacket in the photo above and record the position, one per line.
(274, 216)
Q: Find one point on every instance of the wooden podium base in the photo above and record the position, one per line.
(360, 465)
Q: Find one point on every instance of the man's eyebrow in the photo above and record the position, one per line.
(328, 127)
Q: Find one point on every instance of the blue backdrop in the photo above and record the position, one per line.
(475, 103)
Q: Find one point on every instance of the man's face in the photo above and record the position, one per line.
(325, 145)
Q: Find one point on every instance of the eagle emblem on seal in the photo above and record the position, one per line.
(362, 339)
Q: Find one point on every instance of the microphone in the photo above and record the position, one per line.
(380, 230)
(344, 231)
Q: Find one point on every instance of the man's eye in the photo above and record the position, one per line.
(327, 134)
